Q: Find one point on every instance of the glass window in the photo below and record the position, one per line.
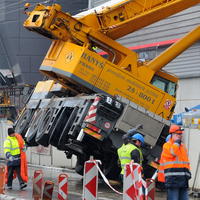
(159, 84)
(171, 89)
(164, 84)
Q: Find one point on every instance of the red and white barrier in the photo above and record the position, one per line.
(38, 181)
(2, 179)
(150, 189)
(129, 191)
(132, 187)
(48, 190)
(138, 181)
(135, 188)
(63, 187)
(90, 182)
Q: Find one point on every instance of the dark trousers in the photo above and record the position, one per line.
(11, 170)
(177, 194)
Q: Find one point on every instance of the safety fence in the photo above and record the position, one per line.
(134, 187)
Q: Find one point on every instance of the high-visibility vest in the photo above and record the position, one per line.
(124, 154)
(11, 146)
(174, 161)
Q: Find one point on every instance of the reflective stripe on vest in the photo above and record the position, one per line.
(161, 175)
(11, 149)
(177, 174)
(124, 153)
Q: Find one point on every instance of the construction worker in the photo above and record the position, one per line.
(131, 151)
(126, 137)
(174, 166)
(14, 150)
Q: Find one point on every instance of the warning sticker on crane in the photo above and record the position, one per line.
(107, 125)
(69, 56)
(167, 104)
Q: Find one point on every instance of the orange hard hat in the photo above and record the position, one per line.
(176, 129)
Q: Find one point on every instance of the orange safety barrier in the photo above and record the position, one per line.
(2, 179)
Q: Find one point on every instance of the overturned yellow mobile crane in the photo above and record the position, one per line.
(101, 96)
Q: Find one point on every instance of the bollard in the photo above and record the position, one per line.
(2, 179)
(48, 190)
(90, 180)
(150, 189)
(38, 181)
(63, 187)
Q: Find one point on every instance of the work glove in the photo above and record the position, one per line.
(132, 131)
(139, 126)
(177, 141)
(24, 149)
(11, 158)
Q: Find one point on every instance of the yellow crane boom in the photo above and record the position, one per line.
(174, 50)
(126, 17)
(72, 61)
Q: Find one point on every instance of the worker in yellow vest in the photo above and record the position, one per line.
(13, 153)
(131, 151)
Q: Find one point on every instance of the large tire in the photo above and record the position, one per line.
(104, 151)
(23, 122)
(109, 160)
(79, 168)
(32, 131)
(42, 137)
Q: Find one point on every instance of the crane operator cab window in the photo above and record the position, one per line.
(165, 85)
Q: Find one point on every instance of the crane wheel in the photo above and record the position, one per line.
(42, 136)
(23, 122)
(32, 131)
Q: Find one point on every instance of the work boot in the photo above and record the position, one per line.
(9, 187)
(23, 185)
